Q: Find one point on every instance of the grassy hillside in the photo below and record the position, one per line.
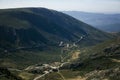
(32, 35)
(23, 58)
(31, 27)
(101, 49)
(99, 62)
(5, 74)
(105, 56)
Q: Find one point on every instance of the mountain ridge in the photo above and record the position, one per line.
(33, 35)
(36, 20)
(105, 22)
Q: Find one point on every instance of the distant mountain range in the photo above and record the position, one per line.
(105, 22)
(38, 27)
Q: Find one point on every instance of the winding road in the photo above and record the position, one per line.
(62, 59)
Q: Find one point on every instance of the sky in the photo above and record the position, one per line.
(100, 6)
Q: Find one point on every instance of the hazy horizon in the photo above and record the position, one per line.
(95, 6)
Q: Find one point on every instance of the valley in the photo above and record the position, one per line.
(84, 67)
(44, 44)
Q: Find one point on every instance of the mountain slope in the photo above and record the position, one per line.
(101, 59)
(100, 62)
(32, 35)
(105, 22)
(5, 74)
(33, 27)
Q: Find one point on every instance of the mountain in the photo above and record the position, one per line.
(105, 22)
(100, 62)
(38, 27)
(32, 35)
(101, 59)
